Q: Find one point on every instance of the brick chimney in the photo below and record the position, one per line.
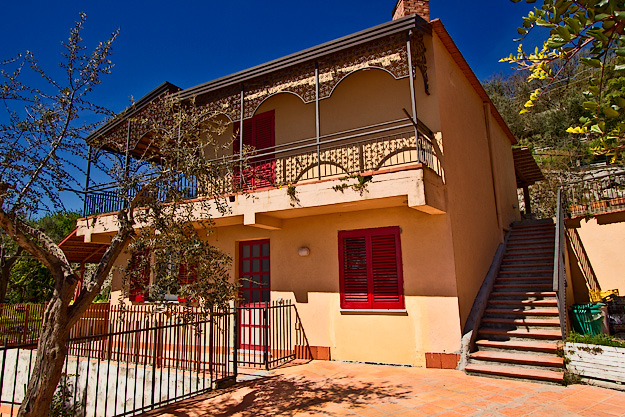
(408, 7)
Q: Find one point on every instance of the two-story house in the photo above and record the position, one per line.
(388, 274)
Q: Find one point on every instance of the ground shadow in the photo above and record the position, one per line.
(287, 396)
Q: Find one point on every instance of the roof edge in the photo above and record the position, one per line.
(385, 29)
(452, 48)
(164, 87)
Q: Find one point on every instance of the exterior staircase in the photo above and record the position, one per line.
(520, 327)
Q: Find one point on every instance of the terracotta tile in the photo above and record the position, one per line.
(466, 410)
(446, 403)
(429, 409)
(450, 414)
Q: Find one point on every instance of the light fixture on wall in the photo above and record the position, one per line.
(303, 251)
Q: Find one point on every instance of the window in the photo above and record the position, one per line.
(186, 275)
(140, 263)
(371, 269)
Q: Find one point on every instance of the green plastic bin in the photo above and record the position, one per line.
(587, 318)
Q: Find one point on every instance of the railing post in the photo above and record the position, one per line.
(235, 348)
(154, 364)
(88, 174)
(4, 360)
(25, 330)
(266, 334)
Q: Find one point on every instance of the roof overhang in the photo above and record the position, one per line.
(403, 25)
(527, 170)
(77, 250)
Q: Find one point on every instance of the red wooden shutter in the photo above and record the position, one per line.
(264, 141)
(264, 131)
(140, 259)
(186, 275)
(386, 271)
(353, 272)
(371, 269)
(248, 128)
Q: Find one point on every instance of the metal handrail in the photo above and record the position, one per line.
(559, 271)
(584, 262)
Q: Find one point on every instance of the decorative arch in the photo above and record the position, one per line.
(360, 70)
(274, 95)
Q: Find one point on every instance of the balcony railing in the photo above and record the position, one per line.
(357, 152)
(600, 194)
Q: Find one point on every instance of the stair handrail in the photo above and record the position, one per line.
(583, 260)
(559, 271)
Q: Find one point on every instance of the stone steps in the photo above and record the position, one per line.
(521, 325)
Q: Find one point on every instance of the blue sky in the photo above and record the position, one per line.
(191, 42)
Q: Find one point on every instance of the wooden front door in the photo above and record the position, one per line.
(254, 272)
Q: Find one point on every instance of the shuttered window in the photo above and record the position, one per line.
(259, 132)
(140, 260)
(187, 274)
(371, 269)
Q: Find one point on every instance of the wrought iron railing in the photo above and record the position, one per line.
(356, 152)
(595, 195)
(582, 259)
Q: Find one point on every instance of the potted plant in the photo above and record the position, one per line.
(601, 205)
(618, 201)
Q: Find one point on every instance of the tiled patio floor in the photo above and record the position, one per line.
(346, 389)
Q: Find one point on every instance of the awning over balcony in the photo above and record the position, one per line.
(78, 251)
(526, 168)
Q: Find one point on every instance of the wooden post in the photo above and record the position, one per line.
(526, 199)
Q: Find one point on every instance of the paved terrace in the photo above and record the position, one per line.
(322, 388)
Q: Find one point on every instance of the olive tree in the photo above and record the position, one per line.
(593, 32)
(43, 152)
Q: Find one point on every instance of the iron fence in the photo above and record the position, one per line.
(20, 323)
(125, 361)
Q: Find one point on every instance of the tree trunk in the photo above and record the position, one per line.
(51, 353)
(7, 265)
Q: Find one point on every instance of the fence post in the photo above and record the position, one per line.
(235, 348)
(25, 331)
(266, 334)
(4, 359)
(154, 369)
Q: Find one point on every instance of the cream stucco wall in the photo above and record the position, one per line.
(472, 206)
(604, 239)
(431, 319)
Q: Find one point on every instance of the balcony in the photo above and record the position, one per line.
(382, 148)
(594, 195)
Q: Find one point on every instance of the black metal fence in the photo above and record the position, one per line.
(145, 361)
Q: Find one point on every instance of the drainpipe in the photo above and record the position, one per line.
(492, 165)
(317, 123)
(413, 101)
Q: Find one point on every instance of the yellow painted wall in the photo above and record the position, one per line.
(469, 180)
(431, 320)
(604, 239)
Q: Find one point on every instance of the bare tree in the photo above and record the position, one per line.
(42, 140)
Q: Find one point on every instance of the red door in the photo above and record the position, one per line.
(259, 132)
(254, 293)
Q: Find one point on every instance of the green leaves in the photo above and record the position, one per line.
(596, 29)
